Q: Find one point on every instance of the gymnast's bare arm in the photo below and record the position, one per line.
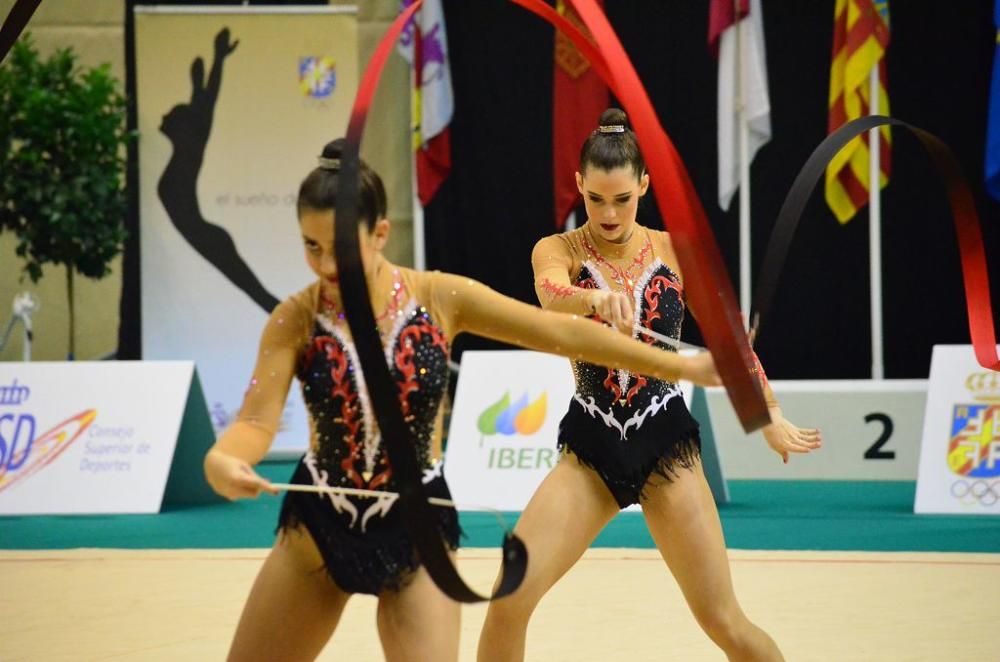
(782, 436)
(475, 308)
(553, 265)
(228, 465)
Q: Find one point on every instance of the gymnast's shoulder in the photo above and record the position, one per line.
(560, 244)
(295, 313)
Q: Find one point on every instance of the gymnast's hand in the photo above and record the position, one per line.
(233, 478)
(614, 308)
(784, 437)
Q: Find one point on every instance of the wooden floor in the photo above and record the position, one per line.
(614, 605)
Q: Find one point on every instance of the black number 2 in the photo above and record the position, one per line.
(875, 451)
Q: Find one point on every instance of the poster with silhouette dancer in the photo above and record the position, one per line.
(232, 106)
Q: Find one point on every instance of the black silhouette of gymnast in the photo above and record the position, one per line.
(187, 126)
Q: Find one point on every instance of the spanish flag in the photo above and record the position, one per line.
(860, 38)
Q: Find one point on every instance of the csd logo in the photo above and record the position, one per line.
(22, 451)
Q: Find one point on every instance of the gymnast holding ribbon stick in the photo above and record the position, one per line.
(342, 511)
(627, 437)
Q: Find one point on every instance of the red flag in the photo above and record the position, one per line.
(579, 96)
(722, 14)
(433, 165)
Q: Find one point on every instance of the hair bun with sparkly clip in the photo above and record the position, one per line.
(326, 163)
(611, 128)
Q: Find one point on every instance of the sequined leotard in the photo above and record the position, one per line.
(363, 540)
(360, 538)
(623, 425)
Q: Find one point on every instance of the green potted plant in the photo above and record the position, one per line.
(62, 164)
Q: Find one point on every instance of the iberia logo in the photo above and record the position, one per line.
(521, 417)
(317, 76)
(974, 449)
(22, 453)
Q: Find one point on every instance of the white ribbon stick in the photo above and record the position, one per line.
(370, 494)
(673, 342)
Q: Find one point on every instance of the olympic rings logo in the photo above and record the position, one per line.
(979, 491)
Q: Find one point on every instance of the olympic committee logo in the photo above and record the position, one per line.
(974, 447)
(317, 76)
(521, 418)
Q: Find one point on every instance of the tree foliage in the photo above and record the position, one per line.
(62, 161)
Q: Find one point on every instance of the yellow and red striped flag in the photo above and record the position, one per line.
(860, 38)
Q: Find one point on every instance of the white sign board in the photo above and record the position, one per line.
(960, 447)
(220, 242)
(871, 431)
(504, 426)
(91, 437)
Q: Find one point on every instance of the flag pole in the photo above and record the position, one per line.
(416, 115)
(744, 150)
(419, 249)
(875, 228)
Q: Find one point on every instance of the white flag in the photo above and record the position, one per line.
(436, 103)
(753, 60)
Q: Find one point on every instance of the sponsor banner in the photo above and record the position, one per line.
(504, 426)
(234, 105)
(97, 437)
(960, 448)
(871, 431)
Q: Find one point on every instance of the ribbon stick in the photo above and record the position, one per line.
(351, 491)
(667, 340)
(379, 494)
(963, 211)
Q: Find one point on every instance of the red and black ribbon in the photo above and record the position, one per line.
(420, 519)
(963, 211)
(709, 286)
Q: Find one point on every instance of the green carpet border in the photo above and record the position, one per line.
(763, 515)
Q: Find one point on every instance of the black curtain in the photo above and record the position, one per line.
(497, 202)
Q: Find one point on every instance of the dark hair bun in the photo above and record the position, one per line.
(319, 190)
(613, 116)
(612, 145)
(334, 149)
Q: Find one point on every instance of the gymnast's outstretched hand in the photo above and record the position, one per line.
(785, 438)
(234, 478)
